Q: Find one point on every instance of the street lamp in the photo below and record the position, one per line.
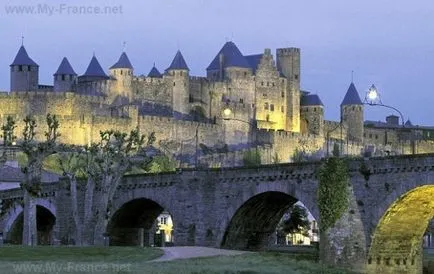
(372, 98)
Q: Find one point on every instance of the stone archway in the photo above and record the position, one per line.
(397, 241)
(45, 221)
(254, 222)
(135, 224)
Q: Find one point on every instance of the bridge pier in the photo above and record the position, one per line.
(344, 244)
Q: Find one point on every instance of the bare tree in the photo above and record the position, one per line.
(107, 162)
(36, 152)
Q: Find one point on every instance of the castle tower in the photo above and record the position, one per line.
(94, 72)
(288, 63)
(352, 114)
(312, 114)
(122, 73)
(229, 63)
(178, 72)
(65, 77)
(24, 72)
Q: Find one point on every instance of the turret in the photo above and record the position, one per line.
(122, 73)
(312, 114)
(352, 114)
(288, 63)
(154, 73)
(24, 72)
(178, 72)
(65, 77)
(229, 63)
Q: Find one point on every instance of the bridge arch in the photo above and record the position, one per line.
(396, 245)
(46, 218)
(134, 221)
(251, 221)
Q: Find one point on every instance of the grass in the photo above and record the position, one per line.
(123, 260)
(253, 263)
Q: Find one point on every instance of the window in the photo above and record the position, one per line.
(262, 83)
(370, 135)
(273, 84)
(174, 84)
(180, 73)
(266, 106)
(283, 94)
(296, 76)
(20, 68)
(28, 68)
(63, 77)
(241, 101)
(272, 107)
(314, 109)
(267, 117)
(268, 84)
(282, 109)
(121, 72)
(265, 94)
(376, 136)
(245, 74)
(253, 105)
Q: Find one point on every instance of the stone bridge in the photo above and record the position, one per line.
(391, 204)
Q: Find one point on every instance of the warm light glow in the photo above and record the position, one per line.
(227, 111)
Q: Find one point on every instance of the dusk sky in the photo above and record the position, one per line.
(386, 43)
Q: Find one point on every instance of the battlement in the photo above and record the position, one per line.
(47, 95)
(287, 51)
(197, 78)
(148, 79)
(182, 123)
(285, 134)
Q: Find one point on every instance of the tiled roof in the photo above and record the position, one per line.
(232, 57)
(123, 62)
(22, 58)
(178, 62)
(352, 96)
(94, 68)
(65, 68)
(310, 100)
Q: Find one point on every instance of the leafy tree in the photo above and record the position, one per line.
(160, 163)
(297, 223)
(252, 158)
(298, 156)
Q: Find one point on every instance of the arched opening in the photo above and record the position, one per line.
(398, 238)
(45, 221)
(141, 222)
(198, 114)
(254, 225)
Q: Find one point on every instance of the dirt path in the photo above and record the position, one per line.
(185, 252)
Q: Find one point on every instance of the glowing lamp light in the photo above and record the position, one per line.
(227, 111)
(372, 96)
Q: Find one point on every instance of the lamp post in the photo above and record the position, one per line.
(372, 98)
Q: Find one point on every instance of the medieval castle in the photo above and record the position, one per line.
(244, 102)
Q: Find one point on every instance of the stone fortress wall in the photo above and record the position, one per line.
(262, 92)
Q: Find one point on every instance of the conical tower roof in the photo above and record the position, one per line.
(154, 73)
(232, 57)
(22, 58)
(352, 96)
(123, 62)
(178, 62)
(65, 68)
(94, 68)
